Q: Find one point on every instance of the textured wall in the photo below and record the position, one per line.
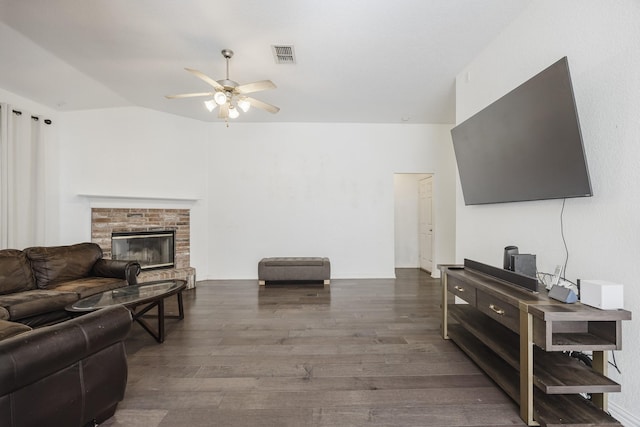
(259, 189)
(600, 39)
(318, 189)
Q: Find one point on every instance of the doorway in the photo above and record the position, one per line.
(413, 221)
(425, 223)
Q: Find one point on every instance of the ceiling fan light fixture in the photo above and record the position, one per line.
(220, 98)
(210, 104)
(229, 95)
(244, 104)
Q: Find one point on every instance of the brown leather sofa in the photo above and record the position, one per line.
(71, 374)
(37, 283)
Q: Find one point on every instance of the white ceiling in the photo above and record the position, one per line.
(368, 61)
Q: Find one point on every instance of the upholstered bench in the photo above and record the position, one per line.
(294, 269)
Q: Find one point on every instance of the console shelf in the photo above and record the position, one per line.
(549, 410)
(553, 373)
(519, 338)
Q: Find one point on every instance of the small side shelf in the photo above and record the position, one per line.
(577, 327)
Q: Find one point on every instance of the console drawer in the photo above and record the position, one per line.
(462, 290)
(499, 310)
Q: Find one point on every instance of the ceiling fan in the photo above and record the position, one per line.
(228, 95)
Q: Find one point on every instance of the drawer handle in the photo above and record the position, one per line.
(458, 288)
(496, 309)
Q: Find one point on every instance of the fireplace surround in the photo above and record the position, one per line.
(106, 222)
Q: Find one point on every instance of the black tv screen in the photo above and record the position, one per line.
(527, 145)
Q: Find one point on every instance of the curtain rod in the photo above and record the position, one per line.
(36, 118)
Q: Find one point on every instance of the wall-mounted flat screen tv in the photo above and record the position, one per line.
(527, 145)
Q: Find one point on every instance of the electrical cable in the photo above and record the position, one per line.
(564, 241)
(587, 359)
(614, 363)
(544, 278)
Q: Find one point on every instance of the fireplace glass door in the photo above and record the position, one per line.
(152, 249)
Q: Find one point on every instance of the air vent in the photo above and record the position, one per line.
(283, 54)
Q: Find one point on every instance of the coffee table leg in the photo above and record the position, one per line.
(180, 306)
(161, 321)
(138, 317)
(159, 336)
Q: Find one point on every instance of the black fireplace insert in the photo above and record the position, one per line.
(152, 249)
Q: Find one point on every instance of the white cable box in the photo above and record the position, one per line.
(601, 294)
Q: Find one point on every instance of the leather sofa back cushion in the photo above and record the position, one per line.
(15, 272)
(56, 264)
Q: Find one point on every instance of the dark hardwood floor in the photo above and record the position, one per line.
(357, 352)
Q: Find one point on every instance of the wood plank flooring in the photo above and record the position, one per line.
(357, 352)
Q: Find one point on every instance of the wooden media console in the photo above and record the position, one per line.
(521, 339)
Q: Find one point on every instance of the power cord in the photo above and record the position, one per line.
(544, 278)
(587, 359)
(614, 364)
(564, 240)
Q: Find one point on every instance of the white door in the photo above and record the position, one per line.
(425, 225)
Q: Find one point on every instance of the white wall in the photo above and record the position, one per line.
(132, 152)
(406, 219)
(262, 189)
(600, 39)
(309, 189)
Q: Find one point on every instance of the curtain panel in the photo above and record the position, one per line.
(22, 178)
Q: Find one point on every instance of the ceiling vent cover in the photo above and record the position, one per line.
(283, 54)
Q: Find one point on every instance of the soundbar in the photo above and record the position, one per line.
(525, 282)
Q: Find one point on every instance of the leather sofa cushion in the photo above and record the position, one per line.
(91, 285)
(56, 264)
(4, 314)
(9, 329)
(29, 303)
(33, 356)
(15, 272)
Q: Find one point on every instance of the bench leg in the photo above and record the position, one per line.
(261, 282)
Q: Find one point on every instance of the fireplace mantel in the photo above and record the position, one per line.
(125, 201)
(109, 197)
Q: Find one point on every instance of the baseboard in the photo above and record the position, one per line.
(625, 417)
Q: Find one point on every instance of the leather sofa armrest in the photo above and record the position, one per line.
(119, 269)
(33, 355)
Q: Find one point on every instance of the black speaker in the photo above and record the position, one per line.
(524, 264)
(508, 252)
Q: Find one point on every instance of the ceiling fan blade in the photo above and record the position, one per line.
(255, 87)
(223, 111)
(262, 105)
(206, 78)
(189, 95)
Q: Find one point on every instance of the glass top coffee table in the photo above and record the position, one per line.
(139, 299)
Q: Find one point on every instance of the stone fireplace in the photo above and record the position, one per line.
(142, 234)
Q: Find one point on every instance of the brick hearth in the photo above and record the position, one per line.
(104, 221)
